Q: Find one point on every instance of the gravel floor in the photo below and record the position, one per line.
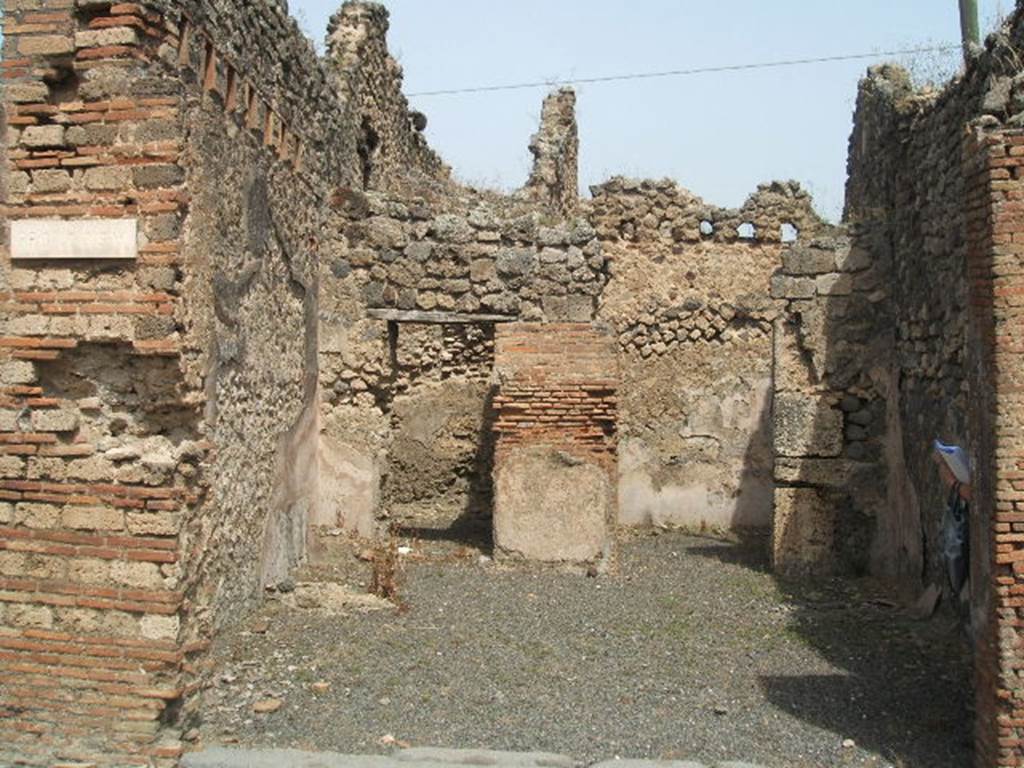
(692, 650)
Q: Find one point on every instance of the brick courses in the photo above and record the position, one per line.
(557, 394)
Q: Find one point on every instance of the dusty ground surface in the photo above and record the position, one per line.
(691, 650)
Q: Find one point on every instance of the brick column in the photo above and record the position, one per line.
(90, 510)
(554, 465)
(994, 169)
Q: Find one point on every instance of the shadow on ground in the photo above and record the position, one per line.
(904, 689)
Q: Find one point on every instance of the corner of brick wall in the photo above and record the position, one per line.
(994, 170)
(92, 491)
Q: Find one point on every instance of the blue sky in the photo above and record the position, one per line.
(719, 135)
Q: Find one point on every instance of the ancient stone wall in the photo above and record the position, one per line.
(159, 354)
(384, 134)
(689, 298)
(905, 207)
(406, 405)
(832, 341)
(933, 203)
(102, 452)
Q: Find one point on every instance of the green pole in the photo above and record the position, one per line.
(969, 26)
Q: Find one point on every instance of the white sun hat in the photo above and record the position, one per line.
(957, 461)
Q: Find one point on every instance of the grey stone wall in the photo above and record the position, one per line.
(384, 135)
(406, 410)
(906, 205)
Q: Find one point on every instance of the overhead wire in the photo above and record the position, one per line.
(685, 72)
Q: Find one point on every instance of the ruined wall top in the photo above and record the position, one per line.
(260, 41)
(661, 210)
(389, 138)
(987, 96)
(347, 107)
(554, 180)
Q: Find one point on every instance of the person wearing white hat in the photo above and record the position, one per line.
(954, 467)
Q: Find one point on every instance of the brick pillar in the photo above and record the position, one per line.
(554, 465)
(90, 594)
(994, 169)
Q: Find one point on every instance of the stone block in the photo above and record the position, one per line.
(419, 251)
(803, 531)
(801, 260)
(93, 518)
(555, 307)
(95, 134)
(89, 570)
(134, 574)
(786, 287)
(101, 38)
(154, 523)
(17, 372)
(551, 507)
(74, 239)
(152, 176)
(44, 516)
(43, 136)
(516, 261)
(24, 93)
(806, 426)
(107, 177)
(449, 228)
(159, 627)
(45, 45)
(17, 183)
(834, 284)
(580, 309)
(12, 466)
(9, 420)
(47, 181)
(54, 420)
(482, 270)
(30, 616)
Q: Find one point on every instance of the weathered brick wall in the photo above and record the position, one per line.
(159, 415)
(689, 297)
(554, 464)
(994, 180)
(101, 456)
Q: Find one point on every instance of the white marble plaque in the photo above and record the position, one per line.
(74, 239)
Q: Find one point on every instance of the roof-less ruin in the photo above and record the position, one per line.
(244, 300)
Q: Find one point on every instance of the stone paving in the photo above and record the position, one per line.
(421, 757)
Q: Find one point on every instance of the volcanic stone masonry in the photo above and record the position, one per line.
(243, 300)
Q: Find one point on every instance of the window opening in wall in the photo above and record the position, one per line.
(184, 35)
(368, 149)
(707, 228)
(209, 68)
(788, 232)
(231, 101)
(746, 231)
(251, 116)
